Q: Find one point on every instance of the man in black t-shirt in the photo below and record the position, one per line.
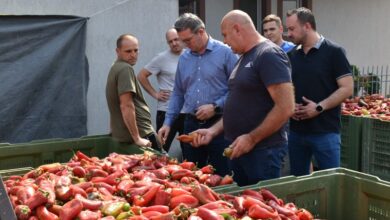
(322, 79)
(259, 103)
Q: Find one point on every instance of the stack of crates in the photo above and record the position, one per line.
(376, 148)
(351, 142)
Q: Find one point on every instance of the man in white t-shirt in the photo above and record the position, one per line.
(163, 66)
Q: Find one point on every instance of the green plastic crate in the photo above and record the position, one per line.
(376, 148)
(351, 142)
(36, 153)
(334, 194)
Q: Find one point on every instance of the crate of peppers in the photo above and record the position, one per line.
(140, 186)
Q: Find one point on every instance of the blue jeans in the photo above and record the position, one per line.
(259, 164)
(324, 147)
(210, 154)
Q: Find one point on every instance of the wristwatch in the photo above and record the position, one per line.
(217, 109)
(319, 108)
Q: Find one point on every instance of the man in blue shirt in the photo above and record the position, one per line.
(322, 78)
(200, 90)
(273, 30)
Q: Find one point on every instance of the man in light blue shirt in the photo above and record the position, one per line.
(273, 30)
(200, 90)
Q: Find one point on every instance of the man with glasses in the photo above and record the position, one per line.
(200, 90)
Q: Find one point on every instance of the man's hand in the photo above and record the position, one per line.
(205, 112)
(242, 145)
(163, 133)
(162, 95)
(204, 137)
(305, 111)
(142, 142)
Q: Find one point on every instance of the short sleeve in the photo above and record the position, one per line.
(274, 67)
(340, 63)
(126, 81)
(154, 66)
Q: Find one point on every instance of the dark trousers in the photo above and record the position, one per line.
(177, 127)
(259, 164)
(210, 154)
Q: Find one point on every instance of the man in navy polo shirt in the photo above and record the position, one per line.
(322, 78)
(259, 103)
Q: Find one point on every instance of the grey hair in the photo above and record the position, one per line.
(189, 21)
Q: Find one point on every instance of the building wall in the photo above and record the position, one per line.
(215, 10)
(146, 19)
(360, 26)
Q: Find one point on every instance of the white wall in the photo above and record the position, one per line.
(215, 10)
(360, 26)
(146, 19)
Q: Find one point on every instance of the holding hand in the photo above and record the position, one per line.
(163, 133)
(205, 112)
(306, 110)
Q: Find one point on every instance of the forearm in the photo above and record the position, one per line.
(143, 79)
(128, 114)
(217, 128)
(344, 91)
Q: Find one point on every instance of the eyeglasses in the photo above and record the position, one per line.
(188, 39)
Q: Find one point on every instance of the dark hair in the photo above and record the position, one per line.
(188, 21)
(304, 15)
(120, 39)
(272, 17)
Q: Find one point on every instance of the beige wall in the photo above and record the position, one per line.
(360, 26)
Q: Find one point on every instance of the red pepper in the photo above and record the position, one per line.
(303, 214)
(150, 214)
(208, 169)
(81, 156)
(179, 191)
(43, 213)
(25, 193)
(268, 195)
(178, 174)
(208, 214)
(220, 204)
(238, 204)
(89, 215)
(39, 198)
(33, 218)
(78, 190)
(84, 185)
(108, 187)
(250, 201)
(71, 209)
(123, 186)
(79, 171)
(252, 193)
(281, 210)
(226, 180)
(48, 186)
(188, 165)
(258, 212)
(158, 208)
(162, 197)
(55, 209)
(89, 204)
(204, 194)
(187, 200)
(147, 197)
(213, 180)
(165, 216)
(23, 212)
(95, 173)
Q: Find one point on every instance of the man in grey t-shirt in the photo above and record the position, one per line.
(163, 66)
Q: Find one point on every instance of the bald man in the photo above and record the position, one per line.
(130, 117)
(164, 66)
(259, 103)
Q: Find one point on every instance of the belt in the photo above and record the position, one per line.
(192, 117)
